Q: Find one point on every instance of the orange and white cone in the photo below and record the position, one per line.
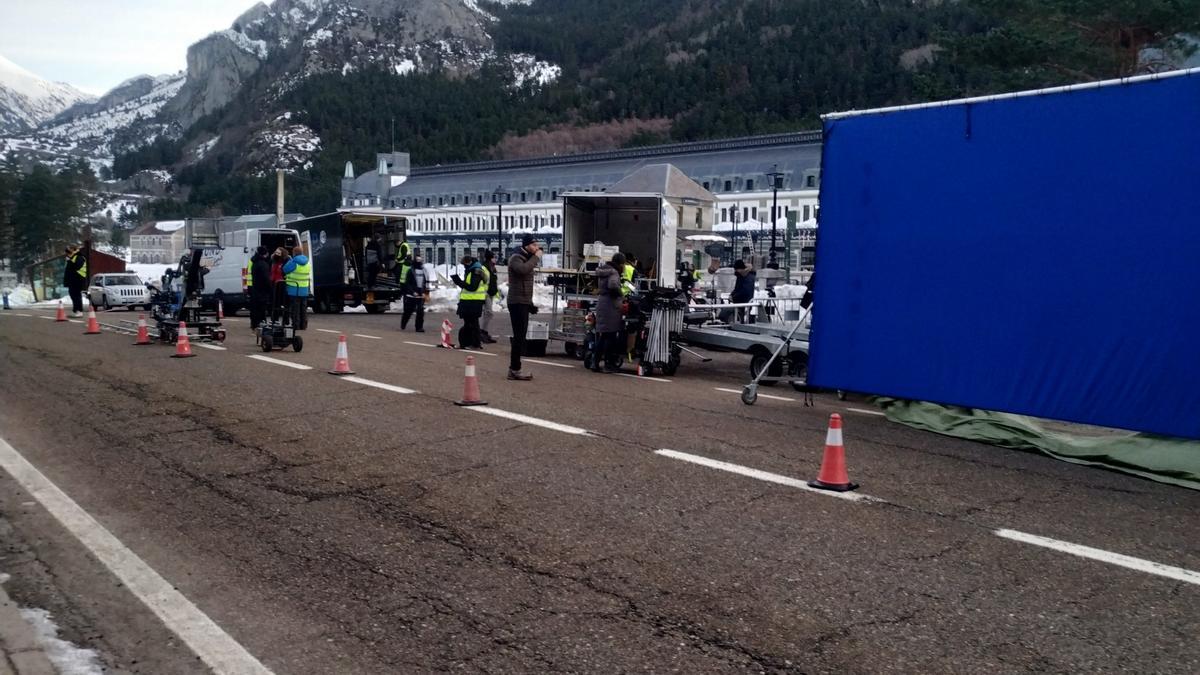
(183, 346)
(220, 310)
(470, 386)
(341, 363)
(93, 326)
(143, 335)
(447, 327)
(833, 475)
(61, 316)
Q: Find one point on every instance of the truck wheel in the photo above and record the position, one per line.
(799, 371)
(572, 350)
(267, 346)
(376, 309)
(297, 343)
(322, 305)
(758, 362)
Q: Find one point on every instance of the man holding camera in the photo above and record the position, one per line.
(521, 267)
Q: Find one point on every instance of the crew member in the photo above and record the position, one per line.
(416, 289)
(374, 256)
(609, 320)
(75, 278)
(473, 292)
(521, 268)
(403, 251)
(279, 285)
(493, 292)
(297, 272)
(258, 285)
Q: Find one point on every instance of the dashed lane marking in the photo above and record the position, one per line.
(48, 318)
(369, 337)
(535, 421)
(22, 314)
(1128, 562)
(74, 320)
(864, 411)
(326, 330)
(419, 344)
(548, 363)
(378, 385)
(213, 645)
(215, 348)
(644, 379)
(760, 395)
(476, 351)
(278, 362)
(762, 475)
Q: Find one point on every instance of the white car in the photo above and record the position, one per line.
(123, 289)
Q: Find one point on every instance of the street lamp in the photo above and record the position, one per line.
(776, 177)
(735, 241)
(499, 194)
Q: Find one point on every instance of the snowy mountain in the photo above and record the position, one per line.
(27, 100)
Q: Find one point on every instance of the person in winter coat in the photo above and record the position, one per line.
(297, 273)
(743, 287)
(75, 278)
(415, 288)
(609, 319)
(278, 288)
(473, 291)
(521, 268)
(260, 286)
(493, 293)
(374, 259)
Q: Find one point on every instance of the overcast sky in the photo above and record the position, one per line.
(96, 44)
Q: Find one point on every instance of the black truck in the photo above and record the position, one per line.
(338, 242)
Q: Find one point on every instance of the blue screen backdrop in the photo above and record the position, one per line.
(1037, 255)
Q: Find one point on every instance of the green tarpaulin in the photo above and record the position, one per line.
(1168, 460)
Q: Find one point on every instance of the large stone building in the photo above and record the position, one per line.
(454, 208)
(160, 242)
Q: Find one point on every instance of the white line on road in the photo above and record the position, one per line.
(378, 385)
(1128, 562)
(326, 330)
(864, 411)
(212, 644)
(419, 344)
(535, 421)
(23, 314)
(761, 475)
(215, 348)
(74, 320)
(369, 337)
(771, 396)
(644, 379)
(476, 351)
(279, 362)
(48, 318)
(548, 363)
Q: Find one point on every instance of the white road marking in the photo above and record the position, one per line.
(48, 318)
(419, 344)
(279, 362)
(548, 363)
(864, 411)
(476, 351)
(535, 421)
(215, 348)
(74, 320)
(760, 395)
(644, 379)
(326, 330)
(1128, 562)
(369, 337)
(762, 475)
(213, 645)
(378, 385)
(20, 314)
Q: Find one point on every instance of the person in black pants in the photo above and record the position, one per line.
(521, 267)
(75, 278)
(260, 286)
(472, 293)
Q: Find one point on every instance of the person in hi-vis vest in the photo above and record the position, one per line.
(297, 273)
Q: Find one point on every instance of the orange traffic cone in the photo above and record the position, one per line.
(470, 386)
(93, 326)
(833, 474)
(341, 363)
(183, 346)
(446, 328)
(143, 335)
(62, 313)
(220, 310)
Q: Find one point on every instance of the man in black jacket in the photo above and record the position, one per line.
(260, 286)
(75, 278)
(416, 287)
(521, 268)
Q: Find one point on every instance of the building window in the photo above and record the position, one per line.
(494, 199)
(745, 213)
(806, 211)
(441, 201)
(453, 201)
(749, 184)
(728, 186)
(810, 181)
(754, 212)
(705, 185)
(554, 195)
(522, 196)
(724, 215)
(427, 202)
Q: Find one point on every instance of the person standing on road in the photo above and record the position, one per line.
(743, 288)
(415, 289)
(493, 292)
(609, 282)
(403, 251)
(75, 278)
(259, 286)
(473, 292)
(298, 272)
(279, 285)
(521, 267)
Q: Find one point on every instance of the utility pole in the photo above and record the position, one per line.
(278, 197)
(500, 194)
(776, 181)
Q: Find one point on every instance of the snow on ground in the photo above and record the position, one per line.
(256, 47)
(527, 68)
(66, 657)
(148, 271)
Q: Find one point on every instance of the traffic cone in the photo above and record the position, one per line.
(446, 328)
(220, 310)
(183, 346)
(833, 474)
(93, 326)
(143, 335)
(62, 313)
(470, 386)
(341, 363)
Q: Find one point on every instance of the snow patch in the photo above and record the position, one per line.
(527, 68)
(405, 67)
(66, 657)
(256, 47)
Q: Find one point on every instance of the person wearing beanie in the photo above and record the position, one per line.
(521, 268)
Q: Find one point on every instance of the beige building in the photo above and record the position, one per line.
(160, 242)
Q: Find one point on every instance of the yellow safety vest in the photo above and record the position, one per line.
(298, 278)
(402, 251)
(404, 273)
(249, 274)
(478, 294)
(627, 279)
(82, 271)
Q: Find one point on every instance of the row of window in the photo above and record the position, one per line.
(481, 223)
(751, 213)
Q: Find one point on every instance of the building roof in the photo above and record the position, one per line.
(663, 179)
(145, 229)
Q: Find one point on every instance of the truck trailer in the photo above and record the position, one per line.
(341, 273)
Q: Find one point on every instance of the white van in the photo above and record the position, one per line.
(226, 265)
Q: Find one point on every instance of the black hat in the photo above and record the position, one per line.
(527, 239)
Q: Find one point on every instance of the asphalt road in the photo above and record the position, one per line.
(330, 526)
